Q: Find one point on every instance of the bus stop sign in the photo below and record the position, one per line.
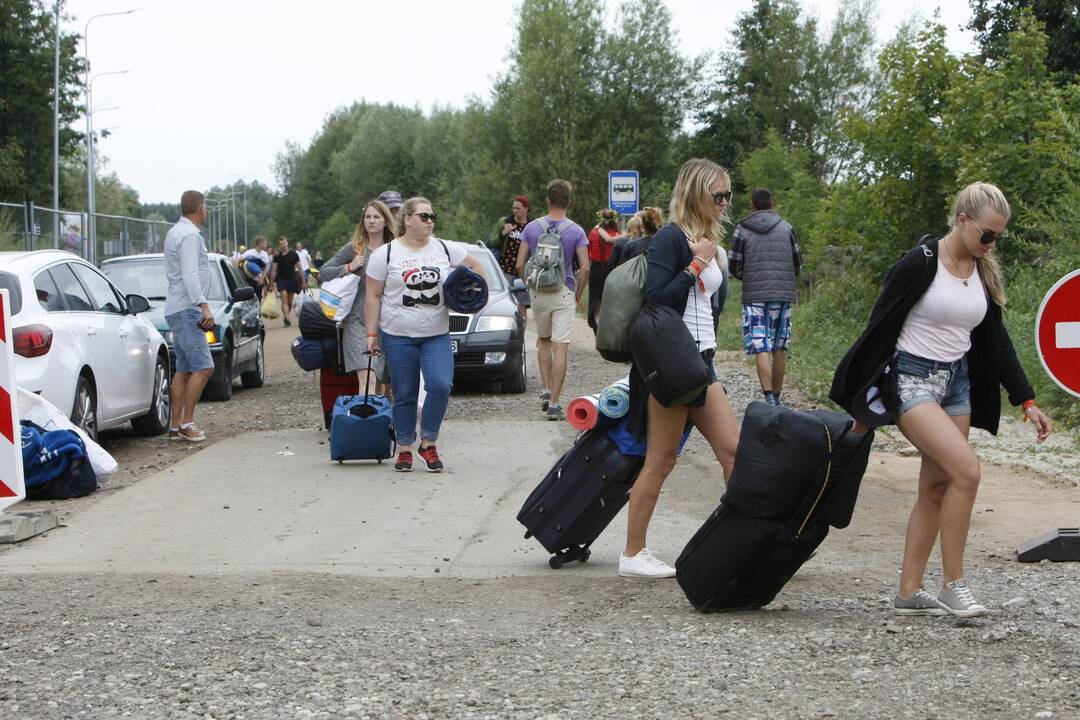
(1057, 333)
(623, 191)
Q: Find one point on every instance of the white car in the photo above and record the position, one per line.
(82, 345)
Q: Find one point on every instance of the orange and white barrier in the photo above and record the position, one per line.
(12, 489)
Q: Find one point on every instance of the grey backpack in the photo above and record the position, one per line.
(546, 268)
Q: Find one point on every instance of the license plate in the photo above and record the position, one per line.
(453, 346)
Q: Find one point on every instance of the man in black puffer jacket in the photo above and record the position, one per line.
(765, 256)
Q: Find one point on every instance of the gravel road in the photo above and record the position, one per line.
(307, 645)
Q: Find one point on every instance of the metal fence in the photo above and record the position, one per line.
(26, 226)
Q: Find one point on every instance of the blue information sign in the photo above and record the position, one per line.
(623, 191)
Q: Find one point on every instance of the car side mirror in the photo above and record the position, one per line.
(241, 294)
(137, 304)
(519, 291)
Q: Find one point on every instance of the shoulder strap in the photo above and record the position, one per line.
(388, 253)
(562, 226)
(544, 224)
(445, 249)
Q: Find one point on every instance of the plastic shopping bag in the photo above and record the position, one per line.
(271, 307)
(336, 296)
(303, 297)
(47, 416)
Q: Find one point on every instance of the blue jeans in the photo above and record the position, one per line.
(921, 380)
(406, 357)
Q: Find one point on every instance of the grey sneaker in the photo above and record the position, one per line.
(554, 412)
(958, 600)
(920, 603)
(545, 400)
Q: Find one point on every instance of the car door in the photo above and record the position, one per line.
(104, 358)
(128, 340)
(244, 317)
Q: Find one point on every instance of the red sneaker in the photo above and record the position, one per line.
(404, 462)
(430, 456)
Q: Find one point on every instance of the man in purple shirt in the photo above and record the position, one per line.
(553, 310)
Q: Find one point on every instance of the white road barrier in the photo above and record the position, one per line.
(12, 489)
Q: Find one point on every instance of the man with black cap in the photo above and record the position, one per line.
(392, 199)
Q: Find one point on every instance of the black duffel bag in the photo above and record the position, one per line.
(314, 325)
(666, 356)
(783, 456)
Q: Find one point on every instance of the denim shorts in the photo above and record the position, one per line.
(920, 380)
(189, 341)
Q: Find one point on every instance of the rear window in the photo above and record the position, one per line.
(10, 283)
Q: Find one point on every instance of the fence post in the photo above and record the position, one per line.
(28, 225)
(125, 242)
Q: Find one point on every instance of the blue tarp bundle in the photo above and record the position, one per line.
(55, 464)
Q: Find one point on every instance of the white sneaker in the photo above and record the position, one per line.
(644, 565)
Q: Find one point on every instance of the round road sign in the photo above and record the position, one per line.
(1057, 333)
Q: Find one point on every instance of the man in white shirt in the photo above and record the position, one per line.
(257, 272)
(187, 271)
(305, 262)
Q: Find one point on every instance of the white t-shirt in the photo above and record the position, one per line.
(939, 326)
(412, 301)
(305, 259)
(698, 314)
(260, 255)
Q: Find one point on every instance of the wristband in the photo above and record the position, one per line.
(1028, 404)
(374, 334)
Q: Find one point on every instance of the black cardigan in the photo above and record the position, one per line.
(991, 360)
(666, 282)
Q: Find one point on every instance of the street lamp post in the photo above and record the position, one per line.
(56, 127)
(90, 200)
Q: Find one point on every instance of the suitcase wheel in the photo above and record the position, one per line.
(340, 461)
(555, 562)
(528, 534)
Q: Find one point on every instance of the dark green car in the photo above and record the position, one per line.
(236, 342)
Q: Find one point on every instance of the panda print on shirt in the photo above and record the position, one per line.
(421, 286)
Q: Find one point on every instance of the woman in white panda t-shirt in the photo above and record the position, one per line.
(408, 322)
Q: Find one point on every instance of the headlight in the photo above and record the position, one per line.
(488, 323)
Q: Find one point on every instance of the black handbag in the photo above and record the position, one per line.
(666, 356)
(878, 401)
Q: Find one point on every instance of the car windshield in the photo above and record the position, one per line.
(492, 273)
(147, 278)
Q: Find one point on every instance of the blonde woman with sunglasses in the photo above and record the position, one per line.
(938, 318)
(685, 268)
(408, 322)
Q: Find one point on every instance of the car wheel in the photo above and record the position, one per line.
(222, 389)
(255, 378)
(516, 382)
(84, 411)
(156, 421)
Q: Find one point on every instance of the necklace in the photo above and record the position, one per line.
(955, 264)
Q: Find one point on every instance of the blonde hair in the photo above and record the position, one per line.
(360, 239)
(692, 207)
(634, 227)
(651, 219)
(408, 208)
(973, 201)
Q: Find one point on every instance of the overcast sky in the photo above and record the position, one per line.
(215, 89)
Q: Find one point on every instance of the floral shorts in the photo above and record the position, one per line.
(920, 380)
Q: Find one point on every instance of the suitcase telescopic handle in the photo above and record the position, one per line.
(367, 378)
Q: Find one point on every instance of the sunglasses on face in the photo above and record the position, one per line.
(988, 237)
(721, 197)
(425, 216)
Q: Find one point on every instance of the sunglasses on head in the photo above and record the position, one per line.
(425, 216)
(988, 237)
(721, 197)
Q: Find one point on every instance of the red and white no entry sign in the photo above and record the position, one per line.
(11, 469)
(1057, 333)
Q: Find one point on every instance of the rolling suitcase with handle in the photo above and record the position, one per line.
(795, 475)
(579, 497)
(361, 427)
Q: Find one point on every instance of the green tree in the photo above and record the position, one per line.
(993, 20)
(334, 233)
(785, 172)
(27, 37)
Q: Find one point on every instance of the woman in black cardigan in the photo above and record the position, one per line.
(685, 268)
(938, 319)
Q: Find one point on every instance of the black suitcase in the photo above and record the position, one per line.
(580, 495)
(770, 521)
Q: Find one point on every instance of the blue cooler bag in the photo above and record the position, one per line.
(361, 427)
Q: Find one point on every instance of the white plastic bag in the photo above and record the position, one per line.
(47, 416)
(336, 296)
(303, 297)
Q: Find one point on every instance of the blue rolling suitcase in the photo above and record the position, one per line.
(361, 428)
